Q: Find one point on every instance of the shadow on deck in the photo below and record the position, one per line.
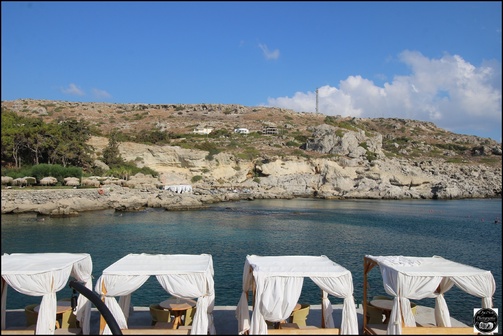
(225, 320)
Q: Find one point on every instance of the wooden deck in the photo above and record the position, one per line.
(226, 323)
(381, 329)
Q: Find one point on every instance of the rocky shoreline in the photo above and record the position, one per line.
(70, 202)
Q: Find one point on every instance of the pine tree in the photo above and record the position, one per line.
(111, 154)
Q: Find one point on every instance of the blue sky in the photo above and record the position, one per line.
(430, 61)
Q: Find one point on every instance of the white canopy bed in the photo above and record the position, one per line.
(44, 274)
(276, 282)
(181, 275)
(416, 278)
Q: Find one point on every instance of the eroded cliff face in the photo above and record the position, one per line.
(355, 167)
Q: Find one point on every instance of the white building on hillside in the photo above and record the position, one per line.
(270, 130)
(202, 130)
(241, 130)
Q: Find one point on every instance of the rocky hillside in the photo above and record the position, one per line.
(401, 137)
(312, 154)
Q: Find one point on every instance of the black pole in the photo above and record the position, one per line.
(100, 305)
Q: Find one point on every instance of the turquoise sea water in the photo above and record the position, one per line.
(466, 231)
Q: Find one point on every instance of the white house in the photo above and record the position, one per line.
(202, 130)
(241, 130)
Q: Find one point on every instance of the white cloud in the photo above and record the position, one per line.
(73, 89)
(269, 54)
(449, 91)
(101, 93)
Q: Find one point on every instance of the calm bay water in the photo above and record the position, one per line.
(466, 231)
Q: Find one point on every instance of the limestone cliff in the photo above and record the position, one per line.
(355, 167)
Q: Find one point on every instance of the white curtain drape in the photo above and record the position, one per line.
(480, 285)
(275, 299)
(278, 281)
(417, 278)
(191, 286)
(341, 287)
(118, 285)
(82, 271)
(242, 310)
(419, 287)
(125, 304)
(47, 283)
(442, 314)
(185, 276)
(403, 287)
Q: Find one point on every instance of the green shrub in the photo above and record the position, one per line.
(196, 178)
(301, 138)
(55, 170)
(219, 133)
(348, 126)
(129, 168)
(371, 156)
(340, 133)
(210, 147)
(292, 144)
(44, 170)
(451, 146)
(299, 152)
(233, 144)
(249, 153)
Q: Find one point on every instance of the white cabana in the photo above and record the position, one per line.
(179, 188)
(277, 283)
(181, 275)
(416, 278)
(44, 274)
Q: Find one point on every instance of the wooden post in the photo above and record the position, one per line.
(102, 319)
(3, 313)
(322, 312)
(368, 264)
